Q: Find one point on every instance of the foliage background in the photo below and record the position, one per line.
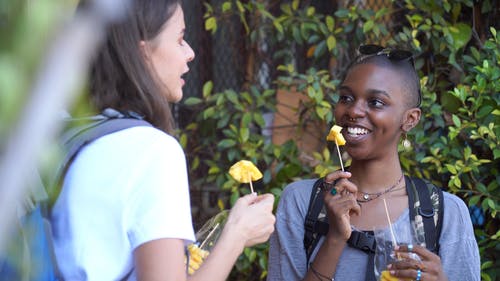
(456, 145)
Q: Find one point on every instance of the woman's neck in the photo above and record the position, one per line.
(375, 176)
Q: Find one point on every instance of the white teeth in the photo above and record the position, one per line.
(357, 131)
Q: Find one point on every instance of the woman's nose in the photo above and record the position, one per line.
(190, 53)
(356, 110)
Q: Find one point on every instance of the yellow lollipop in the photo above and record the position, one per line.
(245, 171)
(335, 135)
(338, 138)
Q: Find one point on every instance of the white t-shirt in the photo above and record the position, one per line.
(122, 190)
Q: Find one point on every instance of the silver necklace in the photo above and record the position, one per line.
(366, 197)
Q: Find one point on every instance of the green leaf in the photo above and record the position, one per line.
(451, 169)
(485, 110)
(456, 121)
(211, 24)
(183, 140)
(244, 134)
(320, 49)
(226, 143)
(493, 31)
(450, 102)
(226, 6)
(207, 88)
(209, 112)
(488, 203)
(246, 119)
(330, 23)
(368, 26)
(486, 265)
(331, 42)
(192, 101)
(278, 26)
(213, 170)
(496, 153)
(310, 11)
(461, 34)
(232, 96)
(342, 13)
(474, 200)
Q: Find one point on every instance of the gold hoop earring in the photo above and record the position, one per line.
(406, 143)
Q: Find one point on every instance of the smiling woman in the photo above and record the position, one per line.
(373, 106)
(378, 104)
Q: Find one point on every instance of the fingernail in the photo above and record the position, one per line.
(389, 266)
(392, 272)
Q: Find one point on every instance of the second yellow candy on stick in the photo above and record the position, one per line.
(245, 171)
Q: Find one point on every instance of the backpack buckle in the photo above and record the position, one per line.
(309, 225)
(363, 241)
(428, 213)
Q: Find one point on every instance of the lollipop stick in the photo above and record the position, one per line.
(250, 181)
(209, 234)
(340, 156)
(251, 187)
(394, 243)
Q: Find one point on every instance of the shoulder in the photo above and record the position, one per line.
(298, 190)
(295, 197)
(142, 140)
(457, 224)
(454, 206)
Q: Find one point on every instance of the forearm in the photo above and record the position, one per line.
(221, 259)
(325, 262)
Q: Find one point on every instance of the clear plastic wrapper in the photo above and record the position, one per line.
(206, 238)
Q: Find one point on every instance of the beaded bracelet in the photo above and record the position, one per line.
(319, 275)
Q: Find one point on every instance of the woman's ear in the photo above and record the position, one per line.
(143, 46)
(411, 119)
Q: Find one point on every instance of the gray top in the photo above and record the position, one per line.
(287, 258)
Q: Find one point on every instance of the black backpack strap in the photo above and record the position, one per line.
(315, 227)
(426, 202)
(311, 236)
(370, 272)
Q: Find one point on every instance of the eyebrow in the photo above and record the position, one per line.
(370, 91)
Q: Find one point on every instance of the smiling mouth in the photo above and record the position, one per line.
(357, 131)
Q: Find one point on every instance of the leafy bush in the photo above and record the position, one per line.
(456, 145)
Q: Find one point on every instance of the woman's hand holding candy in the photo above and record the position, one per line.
(251, 220)
(427, 268)
(340, 203)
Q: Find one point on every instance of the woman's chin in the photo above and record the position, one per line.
(175, 97)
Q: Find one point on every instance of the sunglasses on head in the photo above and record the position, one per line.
(371, 50)
(392, 54)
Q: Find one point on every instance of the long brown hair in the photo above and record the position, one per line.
(120, 77)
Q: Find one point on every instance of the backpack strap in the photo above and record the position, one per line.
(311, 226)
(425, 202)
(316, 226)
(75, 138)
(426, 207)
